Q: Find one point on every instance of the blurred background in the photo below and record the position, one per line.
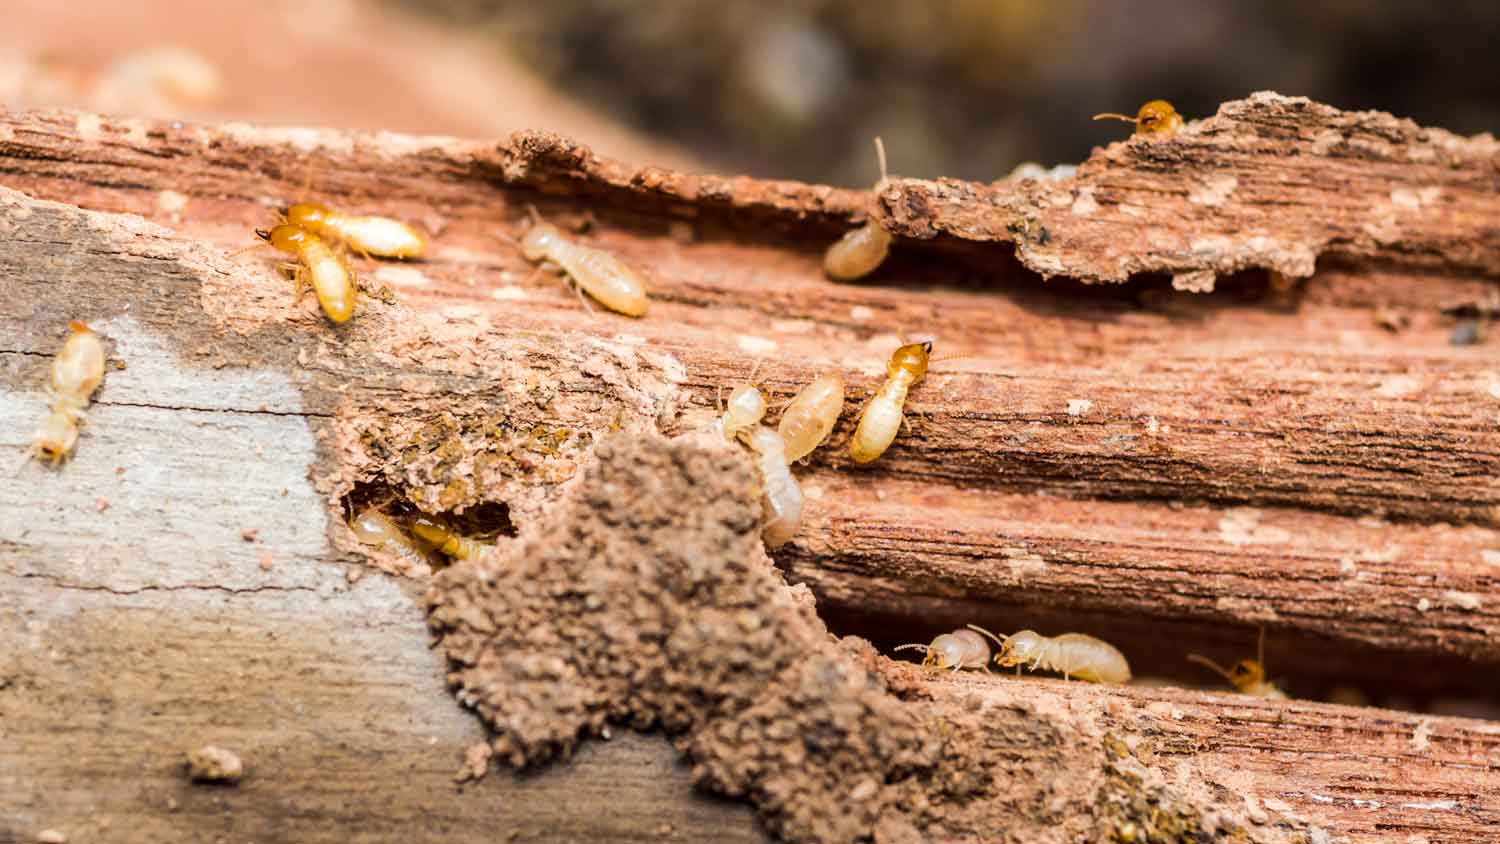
(777, 88)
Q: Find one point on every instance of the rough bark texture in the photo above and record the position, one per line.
(1169, 470)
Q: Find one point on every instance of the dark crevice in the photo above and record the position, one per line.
(487, 522)
(1304, 665)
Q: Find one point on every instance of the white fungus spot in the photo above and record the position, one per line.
(1078, 407)
(402, 276)
(1397, 386)
(1084, 203)
(1197, 281)
(1420, 735)
(170, 204)
(755, 345)
(1463, 600)
(1243, 527)
(1213, 191)
(1424, 605)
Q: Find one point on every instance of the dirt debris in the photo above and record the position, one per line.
(646, 598)
(210, 764)
(476, 763)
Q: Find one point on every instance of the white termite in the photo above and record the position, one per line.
(376, 529)
(963, 648)
(76, 373)
(782, 496)
(811, 415)
(1074, 655)
(860, 251)
(600, 274)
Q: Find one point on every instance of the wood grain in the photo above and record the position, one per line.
(1173, 470)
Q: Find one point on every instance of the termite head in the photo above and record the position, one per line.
(911, 358)
(56, 437)
(1245, 675)
(78, 327)
(539, 240)
(946, 651)
(747, 406)
(1020, 648)
(286, 237)
(309, 214)
(1157, 117)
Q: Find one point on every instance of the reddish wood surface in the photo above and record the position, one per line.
(1167, 469)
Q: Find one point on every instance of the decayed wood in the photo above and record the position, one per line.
(1088, 465)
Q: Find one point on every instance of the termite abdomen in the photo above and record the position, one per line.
(811, 415)
(862, 250)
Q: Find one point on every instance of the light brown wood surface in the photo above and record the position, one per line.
(1169, 470)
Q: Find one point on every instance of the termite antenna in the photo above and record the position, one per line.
(508, 240)
(880, 157)
(1205, 661)
(536, 216)
(1112, 116)
(260, 233)
(1260, 650)
(999, 640)
(910, 646)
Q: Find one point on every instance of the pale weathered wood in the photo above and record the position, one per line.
(136, 622)
(1085, 466)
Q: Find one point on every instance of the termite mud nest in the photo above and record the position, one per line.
(645, 598)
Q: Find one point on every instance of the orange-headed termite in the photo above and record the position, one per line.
(600, 274)
(1073, 654)
(379, 236)
(882, 416)
(374, 528)
(446, 540)
(1248, 676)
(963, 648)
(1154, 118)
(76, 372)
(317, 265)
(860, 251)
(782, 498)
(811, 415)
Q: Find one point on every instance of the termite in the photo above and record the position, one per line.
(811, 415)
(1073, 654)
(76, 374)
(600, 274)
(860, 250)
(1154, 118)
(782, 497)
(963, 648)
(379, 236)
(882, 416)
(446, 540)
(374, 528)
(1248, 676)
(746, 407)
(317, 265)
